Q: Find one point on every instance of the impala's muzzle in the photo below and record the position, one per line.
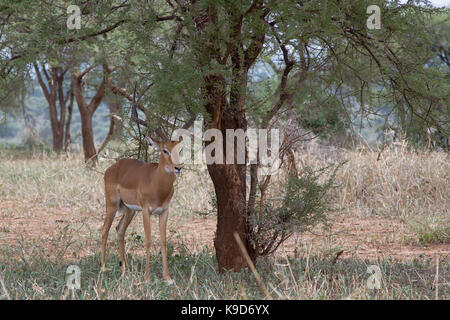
(177, 169)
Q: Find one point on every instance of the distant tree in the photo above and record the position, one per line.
(87, 111)
(30, 41)
(60, 103)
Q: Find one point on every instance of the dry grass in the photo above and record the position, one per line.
(401, 183)
(64, 182)
(409, 185)
(51, 212)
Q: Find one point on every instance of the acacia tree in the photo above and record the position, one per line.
(60, 103)
(192, 57)
(219, 43)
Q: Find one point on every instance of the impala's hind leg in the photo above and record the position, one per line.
(162, 233)
(111, 209)
(121, 229)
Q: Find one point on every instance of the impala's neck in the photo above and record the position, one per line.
(164, 176)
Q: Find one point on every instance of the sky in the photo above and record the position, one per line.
(440, 3)
(436, 3)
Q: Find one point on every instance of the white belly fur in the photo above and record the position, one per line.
(134, 207)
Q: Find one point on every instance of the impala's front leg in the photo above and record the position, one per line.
(148, 240)
(162, 232)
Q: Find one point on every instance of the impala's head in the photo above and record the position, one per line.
(170, 153)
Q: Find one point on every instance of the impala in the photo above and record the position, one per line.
(132, 185)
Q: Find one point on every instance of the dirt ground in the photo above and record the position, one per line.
(358, 237)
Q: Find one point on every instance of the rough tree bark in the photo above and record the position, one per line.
(229, 183)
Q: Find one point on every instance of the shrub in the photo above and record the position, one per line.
(304, 203)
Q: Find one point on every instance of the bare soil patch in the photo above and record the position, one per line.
(359, 237)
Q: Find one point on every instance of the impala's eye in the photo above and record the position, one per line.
(166, 151)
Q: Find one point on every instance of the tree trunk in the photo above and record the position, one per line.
(57, 133)
(86, 112)
(229, 179)
(226, 106)
(67, 137)
(53, 92)
(115, 108)
(87, 134)
(229, 185)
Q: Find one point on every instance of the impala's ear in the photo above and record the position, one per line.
(152, 143)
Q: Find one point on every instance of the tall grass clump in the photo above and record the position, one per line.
(51, 180)
(64, 181)
(396, 182)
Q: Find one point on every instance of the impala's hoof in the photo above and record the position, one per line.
(168, 280)
(105, 269)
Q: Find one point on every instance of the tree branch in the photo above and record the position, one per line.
(41, 82)
(108, 135)
(97, 99)
(104, 31)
